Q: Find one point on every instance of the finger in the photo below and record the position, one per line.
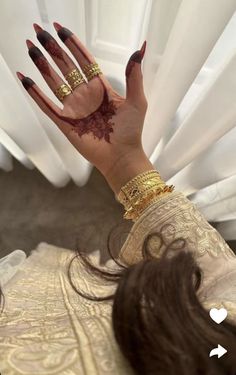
(78, 50)
(134, 76)
(53, 79)
(44, 103)
(60, 57)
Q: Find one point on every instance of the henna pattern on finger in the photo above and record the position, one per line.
(137, 57)
(64, 34)
(51, 45)
(26, 81)
(39, 60)
(99, 123)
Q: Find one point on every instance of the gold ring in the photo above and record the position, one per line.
(62, 91)
(75, 78)
(91, 70)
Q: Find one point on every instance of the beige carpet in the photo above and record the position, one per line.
(34, 211)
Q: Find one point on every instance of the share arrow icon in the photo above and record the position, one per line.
(220, 351)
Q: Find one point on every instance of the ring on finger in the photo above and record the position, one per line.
(75, 78)
(91, 70)
(62, 91)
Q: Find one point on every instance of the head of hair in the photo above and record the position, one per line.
(159, 323)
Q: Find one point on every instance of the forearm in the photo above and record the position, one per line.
(127, 168)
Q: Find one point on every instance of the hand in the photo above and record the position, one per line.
(103, 126)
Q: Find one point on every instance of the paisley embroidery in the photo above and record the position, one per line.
(179, 217)
(47, 328)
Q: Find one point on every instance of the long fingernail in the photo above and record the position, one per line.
(37, 28)
(57, 26)
(143, 48)
(138, 55)
(20, 75)
(29, 43)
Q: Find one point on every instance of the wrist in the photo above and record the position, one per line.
(126, 167)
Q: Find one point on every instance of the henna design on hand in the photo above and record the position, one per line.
(135, 58)
(98, 123)
(51, 45)
(39, 60)
(64, 33)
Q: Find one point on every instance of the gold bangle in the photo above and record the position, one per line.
(138, 193)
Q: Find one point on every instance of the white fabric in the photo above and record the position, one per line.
(10, 264)
(189, 79)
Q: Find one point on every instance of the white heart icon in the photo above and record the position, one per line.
(218, 315)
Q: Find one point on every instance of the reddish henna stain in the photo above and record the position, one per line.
(64, 34)
(51, 45)
(80, 50)
(40, 61)
(99, 122)
(43, 66)
(137, 57)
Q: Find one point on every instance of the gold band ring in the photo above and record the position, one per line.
(91, 70)
(62, 91)
(74, 78)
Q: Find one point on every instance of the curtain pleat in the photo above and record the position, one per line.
(197, 27)
(189, 78)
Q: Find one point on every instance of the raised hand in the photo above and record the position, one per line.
(102, 125)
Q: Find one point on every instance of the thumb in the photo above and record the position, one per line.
(134, 76)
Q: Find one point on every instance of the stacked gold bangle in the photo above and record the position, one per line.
(140, 192)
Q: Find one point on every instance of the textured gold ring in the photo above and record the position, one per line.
(75, 78)
(91, 70)
(62, 91)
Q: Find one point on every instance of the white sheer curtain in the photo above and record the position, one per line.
(190, 82)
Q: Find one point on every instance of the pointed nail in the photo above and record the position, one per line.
(143, 48)
(57, 26)
(37, 28)
(29, 43)
(20, 75)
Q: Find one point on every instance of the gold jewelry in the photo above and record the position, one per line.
(74, 78)
(91, 70)
(140, 192)
(62, 91)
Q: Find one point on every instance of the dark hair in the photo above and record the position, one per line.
(159, 324)
(158, 321)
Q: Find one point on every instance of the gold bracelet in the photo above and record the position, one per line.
(138, 193)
